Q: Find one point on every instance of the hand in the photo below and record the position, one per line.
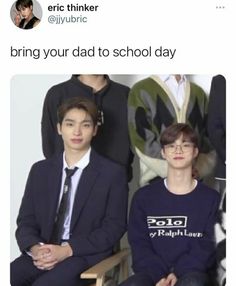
(17, 18)
(38, 255)
(37, 252)
(49, 255)
(162, 282)
(171, 279)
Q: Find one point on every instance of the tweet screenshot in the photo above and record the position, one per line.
(114, 144)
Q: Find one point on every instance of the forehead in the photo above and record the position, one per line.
(77, 114)
(182, 138)
(22, 7)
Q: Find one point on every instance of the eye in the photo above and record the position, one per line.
(187, 145)
(171, 146)
(87, 125)
(69, 124)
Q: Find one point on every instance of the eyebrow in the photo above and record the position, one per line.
(83, 121)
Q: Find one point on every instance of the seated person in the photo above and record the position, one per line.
(74, 207)
(25, 18)
(171, 224)
(112, 139)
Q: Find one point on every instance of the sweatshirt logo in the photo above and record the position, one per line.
(170, 226)
(166, 221)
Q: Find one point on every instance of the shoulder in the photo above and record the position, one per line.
(36, 21)
(219, 82)
(57, 89)
(149, 192)
(106, 165)
(219, 77)
(121, 88)
(145, 89)
(208, 193)
(196, 89)
(144, 83)
(45, 164)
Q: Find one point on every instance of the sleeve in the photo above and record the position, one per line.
(28, 230)
(114, 223)
(144, 135)
(145, 259)
(206, 159)
(202, 252)
(48, 125)
(216, 120)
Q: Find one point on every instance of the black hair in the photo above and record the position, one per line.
(81, 103)
(23, 3)
(174, 131)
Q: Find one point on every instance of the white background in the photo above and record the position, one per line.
(202, 34)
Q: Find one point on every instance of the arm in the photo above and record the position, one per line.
(201, 255)
(48, 124)
(44, 256)
(216, 119)
(144, 135)
(28, 230)
(36, 23)
(145, 259)
(206, 159)
(113, 224)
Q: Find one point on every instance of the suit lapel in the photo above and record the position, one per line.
(86, 183)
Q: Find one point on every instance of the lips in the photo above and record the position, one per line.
(76, 141)
(178, 158)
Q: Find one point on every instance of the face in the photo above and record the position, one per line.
(77, 130)
(26, 12)
(180, 154)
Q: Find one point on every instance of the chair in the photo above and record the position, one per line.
(100, 270)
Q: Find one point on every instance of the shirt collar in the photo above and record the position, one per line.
(81, 164)
(166, 77)
(76, 81)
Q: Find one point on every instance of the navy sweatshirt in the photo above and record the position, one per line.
(172, 233)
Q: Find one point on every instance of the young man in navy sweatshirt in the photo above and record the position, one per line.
(171, 224)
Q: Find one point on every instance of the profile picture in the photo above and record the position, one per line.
(26, 14)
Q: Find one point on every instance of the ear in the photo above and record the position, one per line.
(95, 130)
(163, 153)
(195, 152)
(59, 128)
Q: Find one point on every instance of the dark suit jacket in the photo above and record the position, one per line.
(99, 212)
(217, 121)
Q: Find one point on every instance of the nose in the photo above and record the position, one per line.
(77, 130)
(178, 149)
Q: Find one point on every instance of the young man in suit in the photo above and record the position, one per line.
(171, 222)
(111, 100)
(57, 246)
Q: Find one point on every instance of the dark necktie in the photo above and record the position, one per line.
(63, 208)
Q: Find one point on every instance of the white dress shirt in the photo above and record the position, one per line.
(81, 164)
(176, 88)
